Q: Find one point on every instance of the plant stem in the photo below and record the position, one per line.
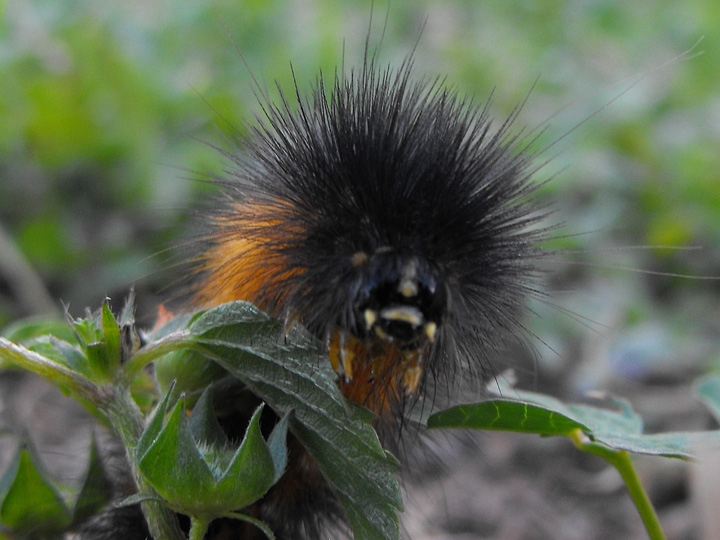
(172, 342)
(51, 370)
(620, 459)
(127, 421)
(198, 528)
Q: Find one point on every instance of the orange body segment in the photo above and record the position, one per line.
(244, 261)
(381, 373)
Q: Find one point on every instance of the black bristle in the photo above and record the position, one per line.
(333, 197)
(391, 162)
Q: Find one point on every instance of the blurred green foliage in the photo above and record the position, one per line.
(103, 106)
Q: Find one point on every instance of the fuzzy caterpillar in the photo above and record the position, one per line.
(396, 223)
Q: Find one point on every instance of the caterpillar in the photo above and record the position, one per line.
(391, 219)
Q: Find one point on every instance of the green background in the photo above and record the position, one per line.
(104, 108)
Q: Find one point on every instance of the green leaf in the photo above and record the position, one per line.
(86, 330)
(176, 323)
(29, 329)
(247, 321)
(708, 388)
(28, 502)
(203, 422)
(681, 445)
(251, 472)
(63, 352)
(111, 338)
(622, 420)
(203, 477)
(173, 465)
(52, 370)
(98, 362)
(297, 376)
(154, 425)
(506, 415)
(277, 442)
(619, 429)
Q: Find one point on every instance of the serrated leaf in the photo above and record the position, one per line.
(620, 429)
(29, 502)
(248, 320)
(336, 433)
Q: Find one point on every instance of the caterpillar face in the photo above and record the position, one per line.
(390, 218)
(401, 302)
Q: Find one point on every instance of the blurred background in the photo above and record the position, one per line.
(105, 108)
